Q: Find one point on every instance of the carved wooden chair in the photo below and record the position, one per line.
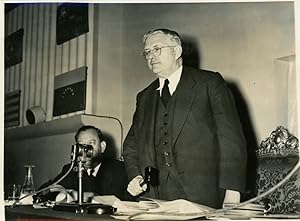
(277, 155)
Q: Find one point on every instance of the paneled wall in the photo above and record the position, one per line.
(42, 58)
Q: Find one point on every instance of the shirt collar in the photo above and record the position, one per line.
(173, 79)
(95, 170)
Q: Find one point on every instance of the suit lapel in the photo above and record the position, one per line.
(185, 95)
(104, 173)
(149, 127)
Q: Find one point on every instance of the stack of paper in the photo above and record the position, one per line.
(248, 210)
(105, 199)
(129, 208)
(152, 209)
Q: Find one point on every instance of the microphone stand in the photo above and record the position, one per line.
(77, 154)
(80, 192)
(81, 206)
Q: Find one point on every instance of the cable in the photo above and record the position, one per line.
(48, 187)
(114, 118)
(220, 211)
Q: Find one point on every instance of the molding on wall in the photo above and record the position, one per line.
(64, 125)
(49, 128)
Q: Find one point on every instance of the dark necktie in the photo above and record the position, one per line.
(88, 181)
(91, 173)
(165, 94)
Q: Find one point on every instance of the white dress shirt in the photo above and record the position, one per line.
(95, 170)
(173, 79)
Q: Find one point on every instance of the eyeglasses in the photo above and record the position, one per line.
(155, 51)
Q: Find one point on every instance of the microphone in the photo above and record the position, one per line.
(73, 152)
(81, 150)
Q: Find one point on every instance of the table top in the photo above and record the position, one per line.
(27, 212)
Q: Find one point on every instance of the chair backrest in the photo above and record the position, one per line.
(277, 155)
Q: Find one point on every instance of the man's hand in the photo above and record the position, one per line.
(87, 196)
(72, 196)
(134, 186)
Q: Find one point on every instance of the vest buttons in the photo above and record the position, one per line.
(167, 164)
(166, 153)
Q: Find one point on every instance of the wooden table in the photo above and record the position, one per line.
(28, 213)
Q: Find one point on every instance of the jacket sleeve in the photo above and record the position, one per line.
(123, 183)
(131, 146)
(233, 154)
(47, 195)
(62, 173)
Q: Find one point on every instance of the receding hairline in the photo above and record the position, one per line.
(173, 36)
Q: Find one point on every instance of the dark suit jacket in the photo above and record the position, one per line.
(208, 145)
(111, 179)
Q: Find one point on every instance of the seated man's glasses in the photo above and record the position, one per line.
(155, 51)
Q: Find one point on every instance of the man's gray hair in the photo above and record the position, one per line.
(174, 36)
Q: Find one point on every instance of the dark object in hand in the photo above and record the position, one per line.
(151, 176)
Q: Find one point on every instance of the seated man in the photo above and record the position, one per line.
(100, 176)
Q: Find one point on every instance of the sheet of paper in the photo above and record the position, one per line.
(105, 199)
(152, 209)
(129, 208)
(150, 216)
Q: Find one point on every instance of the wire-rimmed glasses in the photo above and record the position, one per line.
(156, 51)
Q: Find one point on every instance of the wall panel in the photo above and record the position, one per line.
(65, 57)
(30, 58)
(25, 70)
(45, 58)
(20, 67)
(73, 50)
(17, 67)
(34, 59)
(52, 62)
(42, 58)
(9, 72)
(89, 53)
(39, 54)
(81, 50)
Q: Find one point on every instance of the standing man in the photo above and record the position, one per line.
(187, 127)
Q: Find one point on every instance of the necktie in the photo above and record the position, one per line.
(89, 181)
(165, 94)
(91, 172)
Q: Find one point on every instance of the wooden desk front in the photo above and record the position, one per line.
(28, 213)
